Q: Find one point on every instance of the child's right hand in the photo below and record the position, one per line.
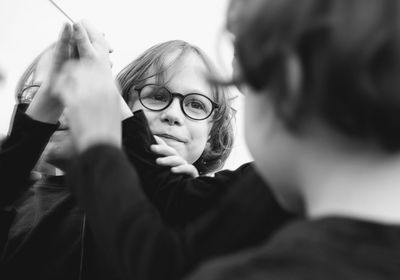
(172, 158)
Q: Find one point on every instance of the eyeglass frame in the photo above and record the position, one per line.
(25, 100)
(181, 97)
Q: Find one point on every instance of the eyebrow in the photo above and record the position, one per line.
(189, 91)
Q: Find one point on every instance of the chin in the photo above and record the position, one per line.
(57, 156)
(59, 152)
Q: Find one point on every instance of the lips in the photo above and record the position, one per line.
(60, 135)
(62, 128)
(169, 136)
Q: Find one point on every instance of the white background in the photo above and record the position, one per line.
(131, 26)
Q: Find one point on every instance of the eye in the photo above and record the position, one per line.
(195, 104)
(159, 96)
(155, 94)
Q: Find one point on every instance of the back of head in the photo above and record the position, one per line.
(28, 77)
(154, 62)
(349, 56)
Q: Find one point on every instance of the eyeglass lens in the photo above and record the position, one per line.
(194, 105)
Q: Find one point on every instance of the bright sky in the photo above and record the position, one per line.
(27, 27)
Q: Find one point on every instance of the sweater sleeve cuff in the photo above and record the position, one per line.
(136, 129)
(24, 122)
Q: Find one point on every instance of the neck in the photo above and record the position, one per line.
(353, 185)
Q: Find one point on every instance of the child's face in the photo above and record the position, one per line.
(188, 137)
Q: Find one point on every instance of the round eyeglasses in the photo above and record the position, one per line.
(195, 106)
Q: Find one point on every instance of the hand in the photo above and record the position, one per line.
(92, 46)
(92, 101)
(172, 158)
(46, 106)
(90, 43)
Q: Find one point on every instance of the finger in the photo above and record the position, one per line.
(82, 40)
(109, 47)
(164, 150)
(62, 49)
(159, 140)
(171, 161)
(187, 169)
(93, 33)
(95, 36)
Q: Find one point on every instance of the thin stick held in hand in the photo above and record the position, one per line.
(61, 10)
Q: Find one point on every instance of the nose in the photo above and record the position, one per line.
(173, 115)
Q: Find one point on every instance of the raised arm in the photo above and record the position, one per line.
(31, 131)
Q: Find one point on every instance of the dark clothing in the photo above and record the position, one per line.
(132, 232)
(180, 198)
(48, 238)
(43, 231)
(329, 248)
(19, 153)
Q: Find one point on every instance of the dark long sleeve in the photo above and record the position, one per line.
(122, 219)
(180, 198)
(138, 240)
(19, 153)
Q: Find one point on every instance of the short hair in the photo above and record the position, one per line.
(152, 63)
(349, 51)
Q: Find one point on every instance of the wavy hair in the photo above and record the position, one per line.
(152, 63)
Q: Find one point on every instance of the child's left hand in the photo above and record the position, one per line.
(172, 158)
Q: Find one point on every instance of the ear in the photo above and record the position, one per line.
(130, 102)
(294, 73)
(293, 80)
(131, 99)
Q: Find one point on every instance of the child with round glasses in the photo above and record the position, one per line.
(169, 83)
